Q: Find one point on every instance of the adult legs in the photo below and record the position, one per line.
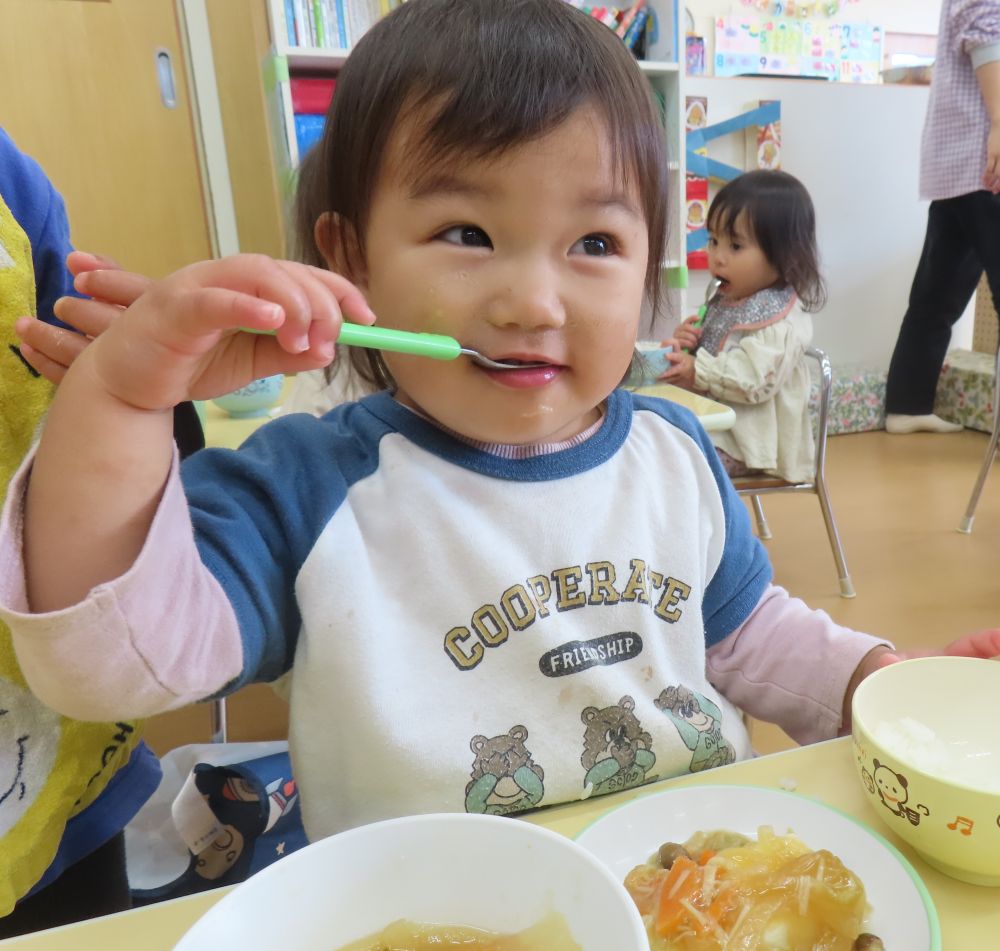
(984, 224)
(946, 277)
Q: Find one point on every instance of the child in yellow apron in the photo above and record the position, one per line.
(67, 788)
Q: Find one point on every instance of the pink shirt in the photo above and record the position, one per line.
(953, 150)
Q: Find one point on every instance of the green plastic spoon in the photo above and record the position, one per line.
(435, 346)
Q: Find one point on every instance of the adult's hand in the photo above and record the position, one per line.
(988, 77)
(991, 175)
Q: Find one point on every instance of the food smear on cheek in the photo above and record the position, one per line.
(550, 934)
(541, 410)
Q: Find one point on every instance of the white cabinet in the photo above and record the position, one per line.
(664, 68)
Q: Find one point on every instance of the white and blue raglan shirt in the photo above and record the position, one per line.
(476, 633)
(466, 632)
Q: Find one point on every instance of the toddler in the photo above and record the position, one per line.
(498, 589)
(749, 351)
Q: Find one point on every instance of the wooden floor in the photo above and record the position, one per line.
(897, 501)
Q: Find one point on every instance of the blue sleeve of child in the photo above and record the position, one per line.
(744, 572)
(257, 513)
(39, 210)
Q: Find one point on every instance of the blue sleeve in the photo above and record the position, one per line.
(257, 512)
(39, 210)
(745, 570)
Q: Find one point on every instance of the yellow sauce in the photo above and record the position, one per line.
(550, 934)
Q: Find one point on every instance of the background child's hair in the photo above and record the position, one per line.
(482, 77)
(779, 214)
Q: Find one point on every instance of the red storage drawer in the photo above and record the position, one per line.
(312, 96)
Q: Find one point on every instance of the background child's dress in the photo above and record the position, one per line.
(751, 356)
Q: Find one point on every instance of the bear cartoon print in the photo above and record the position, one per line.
(617, 752)
(699, 722)
(505, 778)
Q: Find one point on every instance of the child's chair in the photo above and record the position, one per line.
(965, 527)
(220, 721)
(756, 486)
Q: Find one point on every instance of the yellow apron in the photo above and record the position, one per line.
(51, 768)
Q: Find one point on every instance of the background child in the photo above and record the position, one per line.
(498, 588)
(67, 788)
(750, 350)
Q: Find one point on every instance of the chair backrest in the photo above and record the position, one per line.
(825, 390)
(751, 485)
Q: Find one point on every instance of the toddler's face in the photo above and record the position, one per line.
(539, 255)
(739, 262)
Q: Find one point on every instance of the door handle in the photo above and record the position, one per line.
(165, 78)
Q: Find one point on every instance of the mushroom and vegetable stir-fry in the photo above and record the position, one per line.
(721, 891)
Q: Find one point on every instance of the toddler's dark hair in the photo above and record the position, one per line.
(487, 76)
(779, 213)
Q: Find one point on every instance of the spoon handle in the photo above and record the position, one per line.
(436, 346)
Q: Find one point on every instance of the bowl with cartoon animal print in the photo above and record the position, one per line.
(927, 750)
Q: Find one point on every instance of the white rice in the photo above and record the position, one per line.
(959, 761)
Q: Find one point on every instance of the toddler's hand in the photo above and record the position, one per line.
(681, 373)
(985, 644)
(687, 335)
(181, 338)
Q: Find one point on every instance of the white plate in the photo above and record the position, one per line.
(903, 914)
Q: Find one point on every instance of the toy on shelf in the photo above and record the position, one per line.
(762, 128)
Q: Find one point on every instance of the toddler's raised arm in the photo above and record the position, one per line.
(106, 448)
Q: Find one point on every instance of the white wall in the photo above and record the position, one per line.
(856, 148)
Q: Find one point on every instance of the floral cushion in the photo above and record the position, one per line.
(965, 389)
(857, 400)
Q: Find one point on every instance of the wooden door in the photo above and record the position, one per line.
(79, 92)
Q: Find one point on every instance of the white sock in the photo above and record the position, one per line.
(899, 424)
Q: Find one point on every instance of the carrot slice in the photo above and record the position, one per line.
(682, 882)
